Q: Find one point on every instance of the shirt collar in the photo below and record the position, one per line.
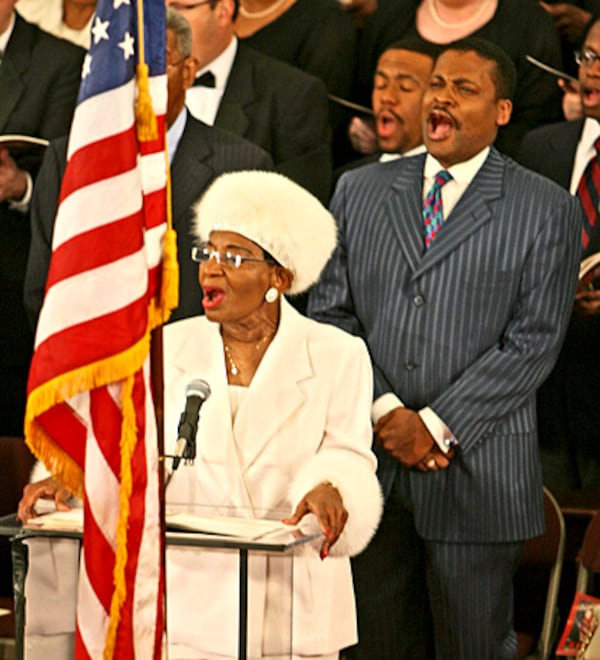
(590, 133)
(220, 67)
(5, 36)
(175, 132)
(463, 173)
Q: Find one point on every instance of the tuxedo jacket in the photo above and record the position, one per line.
(469, 328)
(284, 111)
(39, 81)
(202, 154)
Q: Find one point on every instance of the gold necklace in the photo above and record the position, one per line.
(459, 24)
(264, 12)
(233, 368)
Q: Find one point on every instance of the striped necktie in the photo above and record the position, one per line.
(588, 192)
(433, 211)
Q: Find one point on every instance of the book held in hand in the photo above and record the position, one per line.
(589, 273)
(26, 150)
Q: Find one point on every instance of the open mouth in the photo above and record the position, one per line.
(213, 297)
(387, 122)
(591, 96)
(439, 125)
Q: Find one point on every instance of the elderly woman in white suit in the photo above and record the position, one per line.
(287, 425)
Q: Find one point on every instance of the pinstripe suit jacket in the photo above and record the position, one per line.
(470, 328)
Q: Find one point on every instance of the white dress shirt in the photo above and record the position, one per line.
(203, 102)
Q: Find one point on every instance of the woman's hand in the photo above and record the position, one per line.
(326, 503)
(47, 489)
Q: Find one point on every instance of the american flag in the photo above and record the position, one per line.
(90, 416)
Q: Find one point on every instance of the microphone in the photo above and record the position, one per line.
(196, 392)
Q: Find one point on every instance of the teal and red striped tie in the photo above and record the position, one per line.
(433, 211)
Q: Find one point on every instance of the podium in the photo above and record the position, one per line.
(278, 546)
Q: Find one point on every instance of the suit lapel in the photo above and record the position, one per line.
(191, 169)
(234, 110)
(470, 213)
(267, 406)
(561, 150)
(403, 207)
(14, 64)
(218, 444)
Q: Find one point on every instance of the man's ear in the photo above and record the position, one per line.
(190, 67)
(504, 111)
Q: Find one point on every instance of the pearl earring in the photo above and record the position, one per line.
(271, 294)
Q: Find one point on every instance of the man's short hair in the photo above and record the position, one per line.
(415, 45)
(504, 76)
(182, 31)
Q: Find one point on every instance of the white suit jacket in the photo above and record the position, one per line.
(305, 420)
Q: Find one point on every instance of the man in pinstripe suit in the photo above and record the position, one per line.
(460, 336)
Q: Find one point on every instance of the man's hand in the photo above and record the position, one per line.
(571, 101)
(587, 302)
(570, 21)
(362, 136)
(403, 434)
(47, 489)
(13, 181)
(326, 503)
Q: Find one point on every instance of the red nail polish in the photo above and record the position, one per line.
(324, 553)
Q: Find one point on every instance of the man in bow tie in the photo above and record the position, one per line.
(280, 108)
(457, 268)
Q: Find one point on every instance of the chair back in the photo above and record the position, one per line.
(589, 562)
(543, 557)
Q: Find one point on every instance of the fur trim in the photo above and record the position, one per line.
(360, 491)
(274, 212)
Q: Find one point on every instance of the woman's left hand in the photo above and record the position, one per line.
(326, 503)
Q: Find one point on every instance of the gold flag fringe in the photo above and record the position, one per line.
(147, 127)
(128, 441)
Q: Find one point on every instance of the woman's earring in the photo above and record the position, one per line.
(271, 294)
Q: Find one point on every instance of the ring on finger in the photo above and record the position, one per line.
(431, 463)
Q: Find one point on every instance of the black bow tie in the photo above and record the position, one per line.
(207, 79)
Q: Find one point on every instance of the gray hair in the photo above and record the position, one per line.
(182, 30)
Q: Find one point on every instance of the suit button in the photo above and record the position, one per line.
(409, 366)
(418, 300)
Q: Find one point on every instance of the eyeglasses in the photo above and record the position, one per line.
(586, 57)
(179, 6)
(202, 254)
(177, 63)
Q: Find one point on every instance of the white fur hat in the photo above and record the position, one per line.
(275, 213)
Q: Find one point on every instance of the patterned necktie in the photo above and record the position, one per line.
(588, 192)
(207, 79)
(433, 212)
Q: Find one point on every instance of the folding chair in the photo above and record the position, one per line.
(539, 573)
(589, 562)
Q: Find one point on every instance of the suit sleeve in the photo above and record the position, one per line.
(303, 143)
(330, 300)
(506, 376)
(44, 205)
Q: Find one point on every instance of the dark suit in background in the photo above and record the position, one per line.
(567, 402)
(202, 154)
(39, 81)
(469, 328)
(284, 111)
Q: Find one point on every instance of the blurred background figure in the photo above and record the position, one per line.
(520, 28)
(401, 78)
(68, 19)
(567, 403)
(316, 36)
(276, 106)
